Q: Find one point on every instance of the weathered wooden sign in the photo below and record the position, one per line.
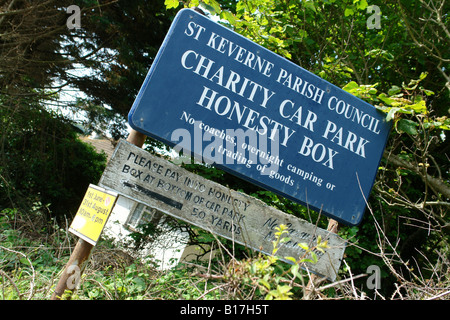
(255, 114)
(136, 174)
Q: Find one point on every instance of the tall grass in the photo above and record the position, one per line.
(33, 253)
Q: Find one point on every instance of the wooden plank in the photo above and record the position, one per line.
(156, 182)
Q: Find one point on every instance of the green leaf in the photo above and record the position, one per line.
(294, 270)
(215, 5)
(304, 246)
(285, 239)
(394, 90)
(314, 258)
(428, 92)
(227, 15)
(391, 113)
(268, 297)
(253, 268)
(140, 283)
(283, 289)
(407, 126)
(423, 75)
(350, 86)
(419, 107)
(375, 53)
(306, 260)
(362, 5)
(309, 5)
(348, 12)
(264, 283)
(25, 261)
(93, 294)
(383, 97)
(291, 259)
(171, 4)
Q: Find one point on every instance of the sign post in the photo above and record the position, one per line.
(88, 236)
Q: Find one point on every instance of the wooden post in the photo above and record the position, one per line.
(136, 138)
(74, 269)
(80, 256)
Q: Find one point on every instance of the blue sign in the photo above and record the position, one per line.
(225, 99)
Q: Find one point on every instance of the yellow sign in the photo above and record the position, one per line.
(93, 213)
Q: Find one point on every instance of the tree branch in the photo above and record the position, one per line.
(435, 183)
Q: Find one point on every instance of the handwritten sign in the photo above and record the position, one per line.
(93, 213)
(217, 95)
(156, 182)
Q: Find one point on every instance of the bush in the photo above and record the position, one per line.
(42, 159)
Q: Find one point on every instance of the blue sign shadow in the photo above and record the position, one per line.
(225, 99)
